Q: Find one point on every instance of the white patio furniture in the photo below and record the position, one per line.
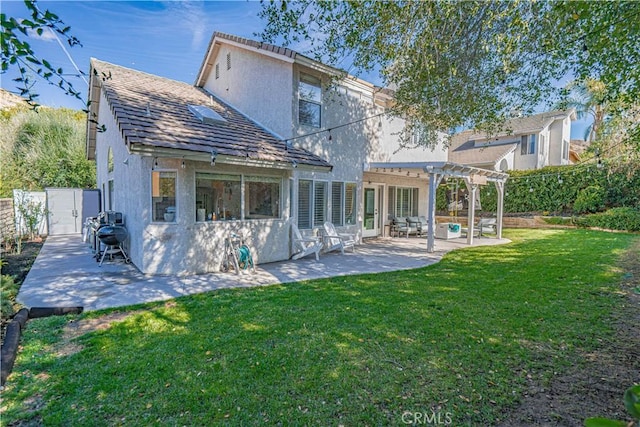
(304, 246)
(334, 241)
(483, 226)
(448, 230)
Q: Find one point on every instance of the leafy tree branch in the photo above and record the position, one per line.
(16, 50)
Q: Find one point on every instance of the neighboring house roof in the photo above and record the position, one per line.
(463, 148)
(527, 124)
(152, 113)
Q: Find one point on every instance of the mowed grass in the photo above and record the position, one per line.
(458, 339)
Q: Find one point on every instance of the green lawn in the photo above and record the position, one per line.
(457, 339)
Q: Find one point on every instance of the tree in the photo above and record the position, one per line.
(470, 63)
(17, 52)
(588, 99)
(43, 149)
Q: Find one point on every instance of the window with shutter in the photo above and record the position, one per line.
(304, 204)
(350, 203)
(319, 203)
(337, 198)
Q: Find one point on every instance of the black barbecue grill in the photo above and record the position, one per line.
(108, 229)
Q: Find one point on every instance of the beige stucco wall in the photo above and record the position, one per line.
(183, 247)
(259, 86)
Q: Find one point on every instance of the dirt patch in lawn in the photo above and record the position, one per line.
(77, 328)
(596, 384)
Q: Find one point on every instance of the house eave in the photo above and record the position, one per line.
(152, 151)
(447, 168)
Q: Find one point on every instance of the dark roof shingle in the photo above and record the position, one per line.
(153, 111)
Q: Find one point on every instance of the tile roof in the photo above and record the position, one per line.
(284, 51)
(153, 111)
(527, 124)
(464, 150)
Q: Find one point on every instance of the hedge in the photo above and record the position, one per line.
(625, 219)
(560, 190)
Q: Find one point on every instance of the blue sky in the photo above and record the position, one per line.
(166, 38)
(163, 38)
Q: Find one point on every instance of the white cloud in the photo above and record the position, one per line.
(47, 35)
(192, 18)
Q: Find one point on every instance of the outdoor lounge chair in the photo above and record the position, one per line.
(483, 226)
(400, 226)
(419, 224)
(334, 241)
(304, 246)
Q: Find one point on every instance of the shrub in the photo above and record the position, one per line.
(8, 293)
(626, 219)
(589, 200)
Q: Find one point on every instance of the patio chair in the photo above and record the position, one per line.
(401, 226)
(304, 245)
(484, 225)
(334, 241)
(419, 224)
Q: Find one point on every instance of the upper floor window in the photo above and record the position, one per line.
(528, 144)
(565, 149)
(309, 100)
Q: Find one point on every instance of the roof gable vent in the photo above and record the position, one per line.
(206, 115)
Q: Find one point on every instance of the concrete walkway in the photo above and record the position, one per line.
(66, 274)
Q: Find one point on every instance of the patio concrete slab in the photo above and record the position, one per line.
(66, 274)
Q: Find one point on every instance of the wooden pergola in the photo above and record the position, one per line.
(473, 178)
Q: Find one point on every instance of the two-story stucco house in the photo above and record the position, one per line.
(531, 142)
(265, 138)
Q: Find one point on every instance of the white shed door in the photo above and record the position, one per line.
(64, 205)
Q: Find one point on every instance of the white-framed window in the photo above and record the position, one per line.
(319, 202)
(343, 203)
(163, 196)
(305, 207)
(312, 203)
(228, 60)
(262, 197)
(309, 101)
(350, 202)
(528, 144)
(221, 197)
(565, 149)
(217, 71)
(403, 201)
(337, 202)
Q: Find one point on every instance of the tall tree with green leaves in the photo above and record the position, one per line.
(43, 149)
(469, 63)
